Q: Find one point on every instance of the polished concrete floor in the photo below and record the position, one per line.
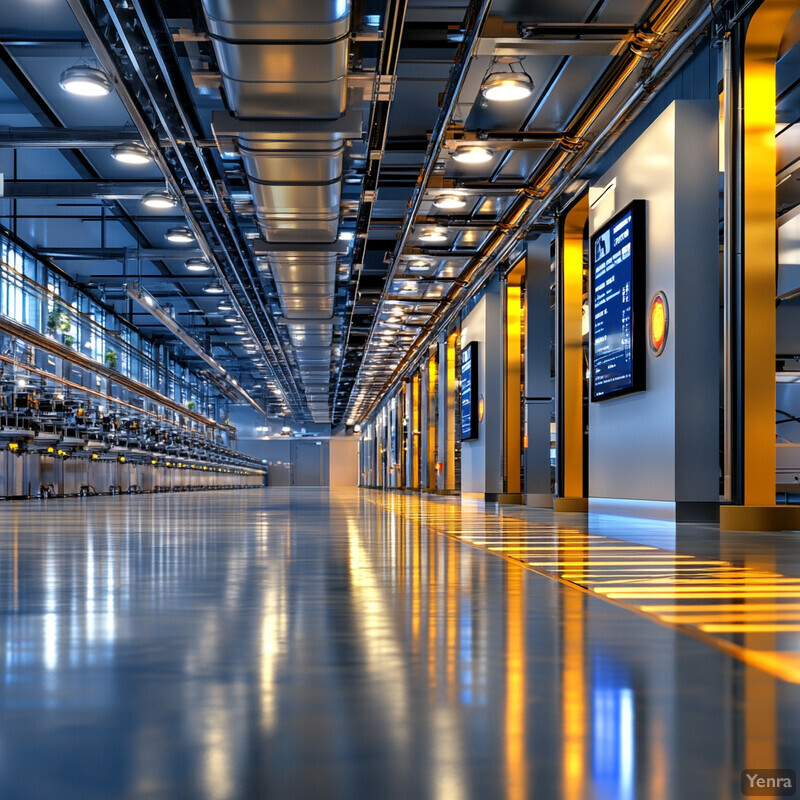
(301, 643)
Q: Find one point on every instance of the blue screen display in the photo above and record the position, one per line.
(469, 410)
(612, 308)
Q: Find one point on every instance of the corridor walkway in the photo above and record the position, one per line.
(300, 643)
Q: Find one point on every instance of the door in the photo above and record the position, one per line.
(310, 463)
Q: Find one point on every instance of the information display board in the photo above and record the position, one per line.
(469, 392)
(617, 314)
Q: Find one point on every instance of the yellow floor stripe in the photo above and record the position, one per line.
(637, 577)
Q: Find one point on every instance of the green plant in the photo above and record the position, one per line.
(190, 405)
(68, 341)
(111, 359)
(55, 319)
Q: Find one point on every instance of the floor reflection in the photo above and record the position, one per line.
(296, 643)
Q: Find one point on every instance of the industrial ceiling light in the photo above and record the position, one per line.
(433, 235)
(180, 235)
(503, 84)
(131, 153)
(225, 305)
(449, 201)
(472, 154)
(159, 200)
(419, 266)
(85, 81)
(197, 265)
(232, 320)
(213, 288)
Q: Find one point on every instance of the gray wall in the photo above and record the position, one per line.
(481, 459)
(662, 444)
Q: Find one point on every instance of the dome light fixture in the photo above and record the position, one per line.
(85, 81)
(472, 154)
(419, 265)
(180, 235)
(197, 265)
(449, 201)
(225, 305)
(131, 153)
(502, 84)
(433, 235)
(159, 200)
(232, 320)
(215, 287)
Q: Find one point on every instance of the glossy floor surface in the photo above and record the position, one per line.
(301, 643)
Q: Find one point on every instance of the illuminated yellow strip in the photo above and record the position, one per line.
(724, 589)
(595, 563)
(704, 595)
(589, 549)
(699, 582)
(695, 619)
(748, 628)
(723, 607)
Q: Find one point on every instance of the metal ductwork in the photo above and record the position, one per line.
(276, 67)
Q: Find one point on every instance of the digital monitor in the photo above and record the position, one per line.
(616, 305)
(469, 392)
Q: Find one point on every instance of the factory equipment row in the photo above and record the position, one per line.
(73, 432)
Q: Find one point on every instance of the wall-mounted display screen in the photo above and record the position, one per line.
(617, 278)
(469, 392)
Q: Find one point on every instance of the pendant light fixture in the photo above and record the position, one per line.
(159, 200)
(131, 153)
(213, 288)
(472, 154)
(449, 201)
(197, 265)
(180, 235)
(505, 84)
(433, 235)
(85, 81)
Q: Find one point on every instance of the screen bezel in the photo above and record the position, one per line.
(472, 348)
(638, 383)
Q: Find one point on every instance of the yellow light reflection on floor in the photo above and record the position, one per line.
(746, 627)
(711, 598)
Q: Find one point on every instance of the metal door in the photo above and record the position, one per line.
(310, 463)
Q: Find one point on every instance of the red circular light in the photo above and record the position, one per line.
(659, 323)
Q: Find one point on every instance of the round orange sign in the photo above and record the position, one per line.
(659, 323)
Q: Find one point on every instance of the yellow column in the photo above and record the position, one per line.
(758, 337)
(415, 430)
(572, 498)
(449, 461)
(512, 423)
(431, 400)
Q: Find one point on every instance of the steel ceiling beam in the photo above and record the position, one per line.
(96, 189)
(121, 254)
(62, 139)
